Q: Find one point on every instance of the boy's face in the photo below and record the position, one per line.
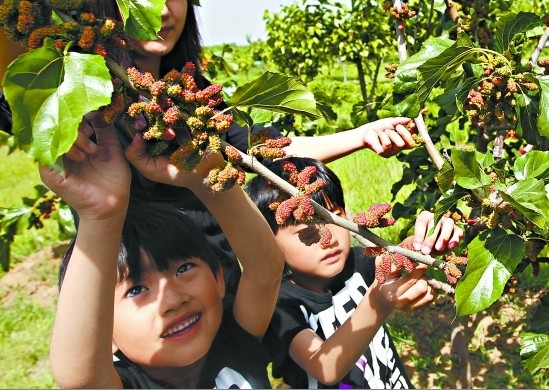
(169, 318)
(314, 261)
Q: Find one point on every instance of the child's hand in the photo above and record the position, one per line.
(160, 168)
(406, 293)
(96, 179)
(446, 234)
(389, 136)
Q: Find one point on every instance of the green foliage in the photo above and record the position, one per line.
(493, 256)
(275, 92)
(50, 92)
(141, 18)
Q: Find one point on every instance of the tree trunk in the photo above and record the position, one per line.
(361, 80)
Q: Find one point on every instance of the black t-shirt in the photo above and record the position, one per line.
(236, 360)
(299, 308)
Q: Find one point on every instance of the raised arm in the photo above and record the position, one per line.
(386, 137)
(97, 187)
(330, 360)
(245, 228)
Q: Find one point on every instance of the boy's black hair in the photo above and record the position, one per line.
(263, 193)
(161, 230)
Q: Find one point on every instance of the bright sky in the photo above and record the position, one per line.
(231, 21)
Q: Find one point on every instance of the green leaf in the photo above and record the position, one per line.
(534, 350)
(534, 164)
(445, 177)
(448, 201)
(528, 112)
(511, 25)
(49, 94)
(406, 79)
(276, 92)
(467, 171)
(531, 199)
(29, 80)
(492, 258)
(142, 19)
(444, 66)
(543, 118)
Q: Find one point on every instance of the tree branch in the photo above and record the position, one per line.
(253, 164)
(436, 157)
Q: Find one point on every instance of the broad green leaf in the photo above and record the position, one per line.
(28, 82)
(142, 18)
(49, 93)
(534, 350)
(443, 66)
(510, 25)
(406, 79)
(543, 118)
(492, 258)
(86, 86)
(530, 198)
(276, 92)
(534, 164)
(467, 171)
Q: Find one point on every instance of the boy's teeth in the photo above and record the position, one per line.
(182, 326)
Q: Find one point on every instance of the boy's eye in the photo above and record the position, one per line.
(135, 290)
(184, 268)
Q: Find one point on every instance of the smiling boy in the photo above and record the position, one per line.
(143, 283)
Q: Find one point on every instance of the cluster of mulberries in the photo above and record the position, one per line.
(299, 207)
(492, 102)
(452, 270)
(374, 216)
(29, 22)
(392, 263)
(229, 172)
(179, 113)
(269, 148)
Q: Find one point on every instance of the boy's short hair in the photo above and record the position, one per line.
(263, 193)
(162, 231)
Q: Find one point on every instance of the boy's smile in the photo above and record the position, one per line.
(169, 318)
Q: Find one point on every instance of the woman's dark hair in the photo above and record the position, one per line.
(263, 193)
(187, 48)
(163, 232)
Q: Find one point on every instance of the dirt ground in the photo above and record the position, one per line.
(485, 352)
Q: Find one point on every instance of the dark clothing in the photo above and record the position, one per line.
(299, 308)
(236, 360)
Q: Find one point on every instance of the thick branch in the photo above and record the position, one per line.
(252, 163)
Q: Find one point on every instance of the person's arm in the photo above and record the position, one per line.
(385, 137)
(330, 360)
(244, 226)
(97, 187)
